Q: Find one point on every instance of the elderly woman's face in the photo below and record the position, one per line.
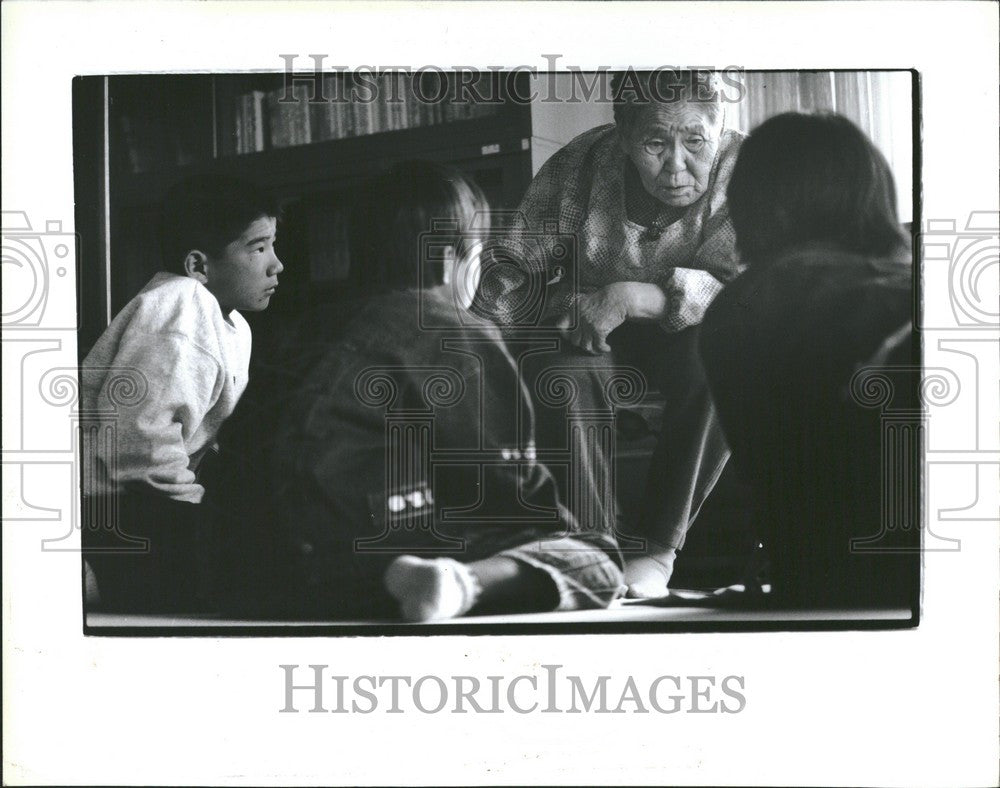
(673, 147)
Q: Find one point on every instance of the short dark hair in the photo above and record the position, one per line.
(207, 212)
(396, 208)
(802, 179)
(632, 91)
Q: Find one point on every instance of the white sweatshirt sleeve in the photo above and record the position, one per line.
(182, 382)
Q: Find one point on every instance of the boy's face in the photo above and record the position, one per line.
(245, 275)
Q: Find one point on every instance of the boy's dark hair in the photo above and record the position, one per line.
(208, 212)
(399, 206)
(803, 179)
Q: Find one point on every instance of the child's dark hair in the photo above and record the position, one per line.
(395, 209)
(803, 179)
(208, 212)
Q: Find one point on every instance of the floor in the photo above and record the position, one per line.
(680, 614)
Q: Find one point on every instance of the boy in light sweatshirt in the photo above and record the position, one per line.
(166, 374)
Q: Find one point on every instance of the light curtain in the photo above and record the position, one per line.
(879, 102)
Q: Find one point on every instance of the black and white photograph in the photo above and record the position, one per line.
(498, 393)
(586, 351)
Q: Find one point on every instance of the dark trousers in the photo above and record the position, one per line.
(578, 399)
(144, 551)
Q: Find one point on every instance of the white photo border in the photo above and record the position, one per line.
(910, 707)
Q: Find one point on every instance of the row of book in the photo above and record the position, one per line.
(347, 106)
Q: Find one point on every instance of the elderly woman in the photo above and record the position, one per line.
(825, 305)
(628, 241)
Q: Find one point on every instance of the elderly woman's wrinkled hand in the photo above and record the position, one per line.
(598, 314)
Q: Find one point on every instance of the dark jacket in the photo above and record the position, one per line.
(791, 350)
(379, 428)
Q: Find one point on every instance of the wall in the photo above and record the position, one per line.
(553, 124)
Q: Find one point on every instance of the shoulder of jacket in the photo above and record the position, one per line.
(169, 294)
(180, 305)
(594, 140)
(729, 148)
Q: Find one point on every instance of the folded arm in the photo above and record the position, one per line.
(180, 382)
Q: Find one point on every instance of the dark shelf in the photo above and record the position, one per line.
(164, 128)
(307, 168)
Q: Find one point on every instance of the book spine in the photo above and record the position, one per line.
(257, 97)
(249, 131)
(290, 118)
(364, 117)
(242, 123)
(276, 119)
(347, 108)
(383, 116)
(303, 120)
(428, 91)
(411, 102)
(399, 104)
(330, 127)
(434, 110)
(345, 120)
(440, 93)
(359, 109)
(461, 96)
(317, 118)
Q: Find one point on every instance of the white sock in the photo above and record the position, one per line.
(430, 589)
(647, 576)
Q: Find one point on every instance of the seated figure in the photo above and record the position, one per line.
(382, 463)
(800, 350)
(627, 241)
(157, 387)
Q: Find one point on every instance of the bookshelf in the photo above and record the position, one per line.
(157, 129)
